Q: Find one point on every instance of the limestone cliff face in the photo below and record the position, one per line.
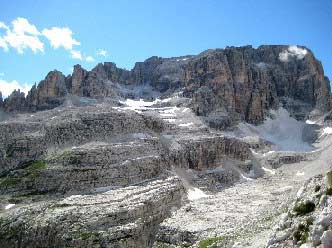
(235, 83)
(49, 93)
(79, 74)
(247, 82)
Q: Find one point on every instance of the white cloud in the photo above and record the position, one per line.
(21, 42)
(22, 25)
(292, 52)
(7, 87)
(60, 37)
(3, 44)
(89, 59)
(22, 36)
(4, 26)
(76, 54)
(102, 52)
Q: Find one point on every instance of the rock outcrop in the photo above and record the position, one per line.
(23, 140)
(308, 221)
(226, 85)
(15, 102)
(126, 217)
(247, 82)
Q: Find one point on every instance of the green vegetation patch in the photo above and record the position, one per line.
(206, 243)
(9, 181)
(303, 208)
(35, 165)
(328, 191)
(89, 235)
(302, 231)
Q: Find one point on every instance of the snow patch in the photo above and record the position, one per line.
(310, 122)
(195, 194)
(292, 52)
(134, 104)
(170, 110)
(326, 131)
(283, 131)
(184, 59)
(73, 197)
(9, 206)
(244, 178)
(272, 172)
(300, 173)
(267, 153)
(186, 124)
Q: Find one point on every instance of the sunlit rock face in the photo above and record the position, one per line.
(247, 82)
(225, 85)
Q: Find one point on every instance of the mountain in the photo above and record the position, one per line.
(225, 85)
(227, 148)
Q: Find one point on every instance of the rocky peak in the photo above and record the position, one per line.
(49, 93)
(78, 76)
(240, 83)
(53, 85)
(247, 81)
(144, 72)
(15, 102)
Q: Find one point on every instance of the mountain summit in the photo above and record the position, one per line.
(225, 85)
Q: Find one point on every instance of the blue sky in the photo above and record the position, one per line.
(47, 35)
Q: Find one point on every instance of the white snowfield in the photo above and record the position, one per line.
(283, 131)
(9, 206)
(182, 117)
(326, 131)
(310, 122)
(195, 194)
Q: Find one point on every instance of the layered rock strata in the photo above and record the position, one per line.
(235, 83)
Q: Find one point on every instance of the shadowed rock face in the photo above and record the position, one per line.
(235, 83)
